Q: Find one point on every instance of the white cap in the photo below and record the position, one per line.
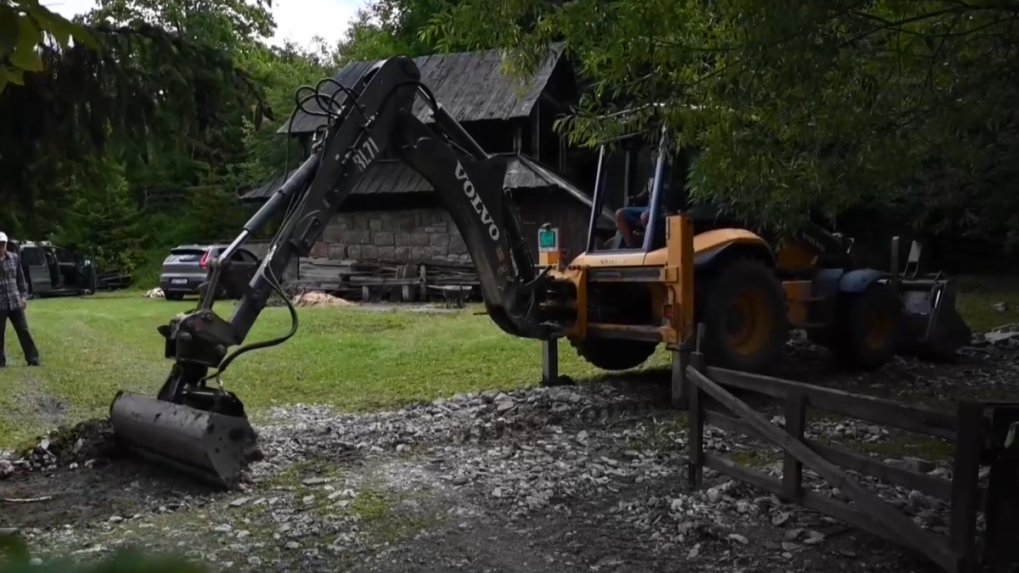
(3, 237)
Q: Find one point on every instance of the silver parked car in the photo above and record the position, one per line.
(187, 267)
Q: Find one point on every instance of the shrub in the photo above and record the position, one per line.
(15, 558)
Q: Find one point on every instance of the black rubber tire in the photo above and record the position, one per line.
(614, 354)
(867, 328)
(173, 296)
(719, 292)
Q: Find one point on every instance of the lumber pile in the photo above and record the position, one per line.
(395, 281)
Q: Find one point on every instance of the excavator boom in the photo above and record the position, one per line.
(193, 423)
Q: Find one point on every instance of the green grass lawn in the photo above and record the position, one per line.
(353, 359)
(978, 295)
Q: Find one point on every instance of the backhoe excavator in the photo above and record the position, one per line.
(614, 305)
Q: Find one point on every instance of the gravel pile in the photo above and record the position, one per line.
(84, 444)
(545, 450)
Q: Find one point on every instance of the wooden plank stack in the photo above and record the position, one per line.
(376, 280)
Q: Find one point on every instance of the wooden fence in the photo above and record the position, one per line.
(969, 428)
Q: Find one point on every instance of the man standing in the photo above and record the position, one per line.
(13, 300)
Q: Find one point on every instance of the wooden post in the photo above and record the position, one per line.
(549, 362)
(695, 417)
(1001, 509)
(423, 289)
(792, 468)
(965, 480)
(680, 391)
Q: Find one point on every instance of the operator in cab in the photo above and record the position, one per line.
(629, 220)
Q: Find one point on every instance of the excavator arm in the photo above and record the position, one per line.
(199, 426)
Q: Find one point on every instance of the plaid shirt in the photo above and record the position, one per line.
(12, 283)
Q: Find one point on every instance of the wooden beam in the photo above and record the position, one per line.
(966, 492)
(536, 133)
(872, 505)
(878, 410)
(550, 99)
(795, 425)
(810, 500)
(695, 433)
(930, 485)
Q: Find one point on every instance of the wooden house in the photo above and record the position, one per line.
(393, 214)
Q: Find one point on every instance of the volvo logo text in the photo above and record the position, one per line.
(479, 206)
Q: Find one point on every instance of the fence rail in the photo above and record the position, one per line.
(970, 429)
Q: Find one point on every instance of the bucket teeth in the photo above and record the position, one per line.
(211, 446)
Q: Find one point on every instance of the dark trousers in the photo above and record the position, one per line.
(20, 323)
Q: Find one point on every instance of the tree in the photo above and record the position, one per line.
(23, 25)
(280, 70)
(119, 147)
(386, 28)
(797, 106)
(143, 91)
(225, 24)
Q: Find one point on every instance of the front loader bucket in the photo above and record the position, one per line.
(933, 326)
(210, 446)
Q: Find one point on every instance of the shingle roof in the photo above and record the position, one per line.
(392, 176)
(469, 85)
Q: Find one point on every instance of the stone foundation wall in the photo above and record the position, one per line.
(395, 235)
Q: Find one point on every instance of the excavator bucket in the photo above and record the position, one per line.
(933, 326)
(213, 447)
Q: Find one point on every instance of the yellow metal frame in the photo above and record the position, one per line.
(671, 287)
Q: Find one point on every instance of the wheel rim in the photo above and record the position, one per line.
(748, 323)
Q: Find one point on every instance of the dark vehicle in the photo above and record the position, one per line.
(187, 267)
(55, 271)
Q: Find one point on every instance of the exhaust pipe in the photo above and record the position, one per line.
(212, 447)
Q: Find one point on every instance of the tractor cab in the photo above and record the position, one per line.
(644, 184)
(641, 184)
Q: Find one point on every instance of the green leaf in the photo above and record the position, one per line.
(25, 55)
(1010, 438)
(27, 59)
(29, 34)
(8, 29)
(61, 28)
(16, 76)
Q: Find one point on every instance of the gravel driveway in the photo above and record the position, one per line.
(585, 478)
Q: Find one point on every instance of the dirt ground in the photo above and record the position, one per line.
(584, 478)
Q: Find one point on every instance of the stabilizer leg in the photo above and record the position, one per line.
(550, 364)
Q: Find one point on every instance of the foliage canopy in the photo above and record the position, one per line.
(798, 106)
(142, 136)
